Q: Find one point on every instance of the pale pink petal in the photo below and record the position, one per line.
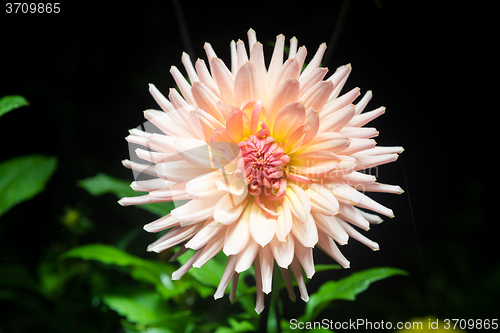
(307, 82)
(312, 120)
(238, 234)
(252, 38)
(164, 222)
(234, 286)
(315, 61)
(266, 261)
(209, 231)
(317, 96)
(262, 229)
(385, 188)
(338, 79)
(228, 209)
(297, 272)
(289, 118)
(175, 236)
(288, 281)
(283, 221)
(205, 99)
(179, 171)
(226, 277)
(329, 141)
(276, 62)
(205, 77)
(237, 125)
(188, 65)
(298, 201)
(257, 60)
(359, 237)
(352, 215)
(306, 233)
(259, 303)
(293, 47)
(370, 161)
(372, 218)
(178, 274)
(286, 93)
(357, 145)
(150, 185)
(245, 84)
(247, 256)
(213, 247)
(140, 168)
(305, 257)
(329, 247)
(359, 132)
(363, 102)
(224, 79)
(365, 118)
(341, 102)
(322, 200)
(334, 122)
(283, 251)
(343, 192)
(330, 226)
(234, 58)
(368, 203)
(203, 187)
(196, 210)
(242, 55)
(183, 85)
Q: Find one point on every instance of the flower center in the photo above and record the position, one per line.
(264, 163)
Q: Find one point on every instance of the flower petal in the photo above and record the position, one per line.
(247, 256)
(331, 226)
(226, 277)
(286, 93)
(305, 257)
(298, 201)
(327, 244)
(262, 229)
(306, 233)
(237, 125)
(289, 118)
(317, 96)
(266, 261)
(209, 231)
(283, 251)
(228, 210)
(224, 79)
(246, 84)
(238, 233)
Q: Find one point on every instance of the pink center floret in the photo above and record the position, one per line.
(263, 160)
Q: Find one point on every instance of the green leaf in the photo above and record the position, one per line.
(155, 273)
(9, 103)
(345, 289)
(102, 184)
(22, 178)
(137, 305)
(104, 253)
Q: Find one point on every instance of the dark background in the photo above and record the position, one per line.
(85, 72)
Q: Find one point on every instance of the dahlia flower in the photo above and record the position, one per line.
(263, 164)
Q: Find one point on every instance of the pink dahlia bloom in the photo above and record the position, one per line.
(263, 163)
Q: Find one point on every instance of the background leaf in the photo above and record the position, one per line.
(9, 103)
(23, 177)
(101, 184)
(104, 253)
(345, 289)
(137, 305)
